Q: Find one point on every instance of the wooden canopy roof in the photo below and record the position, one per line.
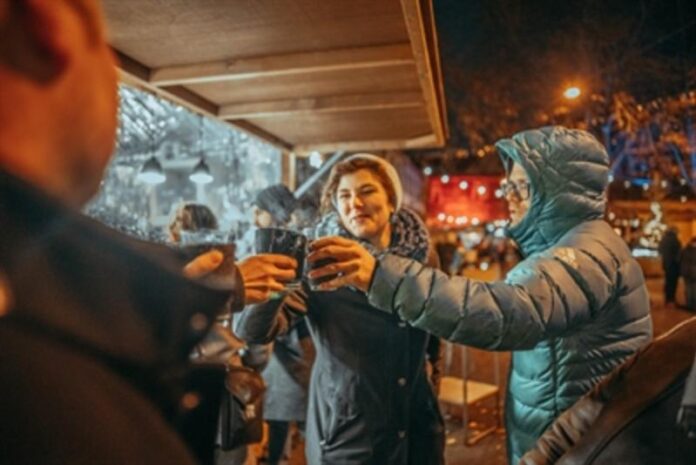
(302, 74)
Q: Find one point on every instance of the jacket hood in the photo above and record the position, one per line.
(568, 171)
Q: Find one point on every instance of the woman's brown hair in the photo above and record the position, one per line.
(192, 217)
(351, 166)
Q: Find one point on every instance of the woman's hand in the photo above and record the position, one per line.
(354, 265)
(265, 274)
(262, 274)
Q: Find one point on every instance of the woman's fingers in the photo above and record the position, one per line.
(336, 252)
(278, 260)
(330, 240)
(264, 284)
(260, 267)
(261, 292)
(346, 267)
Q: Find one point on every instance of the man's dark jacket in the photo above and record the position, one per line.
(94, 350)
(669, 249)
(631, 417)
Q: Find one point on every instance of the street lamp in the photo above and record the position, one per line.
(571, 93)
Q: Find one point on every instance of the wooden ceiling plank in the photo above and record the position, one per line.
(135, 73)
(287, 64)
(414, 16)
(424, 141)
(333, 104)
(260, 133)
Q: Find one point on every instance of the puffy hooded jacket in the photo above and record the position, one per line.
(572, 310)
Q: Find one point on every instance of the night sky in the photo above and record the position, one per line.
(516, 57)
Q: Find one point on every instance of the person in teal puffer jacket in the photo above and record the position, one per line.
(576, 306)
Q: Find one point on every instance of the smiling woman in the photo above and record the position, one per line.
(371, 402)
(363, 190)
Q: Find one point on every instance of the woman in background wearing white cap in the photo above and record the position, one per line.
(370, 399)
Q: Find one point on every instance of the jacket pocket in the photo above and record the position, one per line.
(339, 409)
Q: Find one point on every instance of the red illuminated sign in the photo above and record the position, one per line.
(461, 201)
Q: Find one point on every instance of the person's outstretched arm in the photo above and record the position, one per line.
(262, 323)
(544, 296)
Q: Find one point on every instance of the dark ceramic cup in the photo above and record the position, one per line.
(283, 242)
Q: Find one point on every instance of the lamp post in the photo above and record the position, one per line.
(572, 93)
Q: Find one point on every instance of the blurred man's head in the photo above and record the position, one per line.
(58, 99)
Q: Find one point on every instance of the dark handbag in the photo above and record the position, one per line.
(241, 414)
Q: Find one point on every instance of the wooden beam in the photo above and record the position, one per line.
(292, 63)
(288, 170)
(254, 130)
(416, 18)
(137, 74)
(434, 48)
(333, 104)
(183, 94)
(425, 141)
(131, 67)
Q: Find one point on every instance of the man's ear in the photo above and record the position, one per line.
(5, 296)
(32, 39)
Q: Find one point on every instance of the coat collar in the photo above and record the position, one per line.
(409, 239)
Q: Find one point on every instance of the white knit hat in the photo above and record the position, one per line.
(391, 174)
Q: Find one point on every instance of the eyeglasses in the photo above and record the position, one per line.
(521, 189)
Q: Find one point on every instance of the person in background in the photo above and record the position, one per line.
(191, 217)
(273, 206)
(669, 249)
(305, 215)
(687, 268)
(574, 308)
(370, 399)
(217, 347)
(96, 327)
(288, 371)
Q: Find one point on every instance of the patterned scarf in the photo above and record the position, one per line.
(409, 237)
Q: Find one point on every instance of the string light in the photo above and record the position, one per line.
(315, 159)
